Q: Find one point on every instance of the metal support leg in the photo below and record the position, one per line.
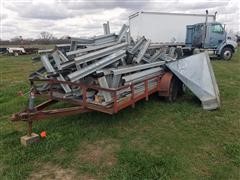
(29, 133)
(31, 137)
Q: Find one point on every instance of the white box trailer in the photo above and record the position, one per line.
(162, 27)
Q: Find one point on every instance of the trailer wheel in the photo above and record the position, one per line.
(179, 53)
(175, 53)
(226, 53)
(174, 89)
(170, 87)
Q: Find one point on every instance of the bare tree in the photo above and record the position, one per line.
(46, 36)
(17, 40)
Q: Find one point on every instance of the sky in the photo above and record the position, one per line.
(78, 18)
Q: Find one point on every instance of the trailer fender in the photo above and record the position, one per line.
(169, 86)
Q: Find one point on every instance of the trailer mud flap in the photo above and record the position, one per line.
(197, 74)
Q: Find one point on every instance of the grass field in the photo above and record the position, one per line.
(156, 140)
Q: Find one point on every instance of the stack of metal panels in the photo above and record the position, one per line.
(109, 61)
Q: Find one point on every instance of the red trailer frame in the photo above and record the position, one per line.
(164, 87)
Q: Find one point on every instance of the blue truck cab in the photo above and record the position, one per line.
(210, 36)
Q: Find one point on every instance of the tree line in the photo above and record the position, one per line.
(43, 38)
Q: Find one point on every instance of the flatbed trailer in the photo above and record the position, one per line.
(165, 85)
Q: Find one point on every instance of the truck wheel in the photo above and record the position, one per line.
(226, 53)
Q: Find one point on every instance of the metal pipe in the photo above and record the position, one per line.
(206, 20)
(205, 29)
(215, 16)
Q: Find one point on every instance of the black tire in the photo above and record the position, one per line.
(175, 89)
(179, 53)
(226, 53)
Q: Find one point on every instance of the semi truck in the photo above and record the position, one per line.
(192, 33)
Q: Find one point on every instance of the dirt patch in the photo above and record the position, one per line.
(48, 172)
(100, 153)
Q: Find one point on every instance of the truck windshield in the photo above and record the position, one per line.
(217, 28)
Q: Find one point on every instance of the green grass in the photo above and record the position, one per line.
(156, 140)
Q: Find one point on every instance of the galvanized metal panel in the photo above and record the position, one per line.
(103, 83)
(197, 74)
(141, 74)
(65, 87)
(100, 53)
(129, 69)
(97, 65)
(46, 63)
(142, 51)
